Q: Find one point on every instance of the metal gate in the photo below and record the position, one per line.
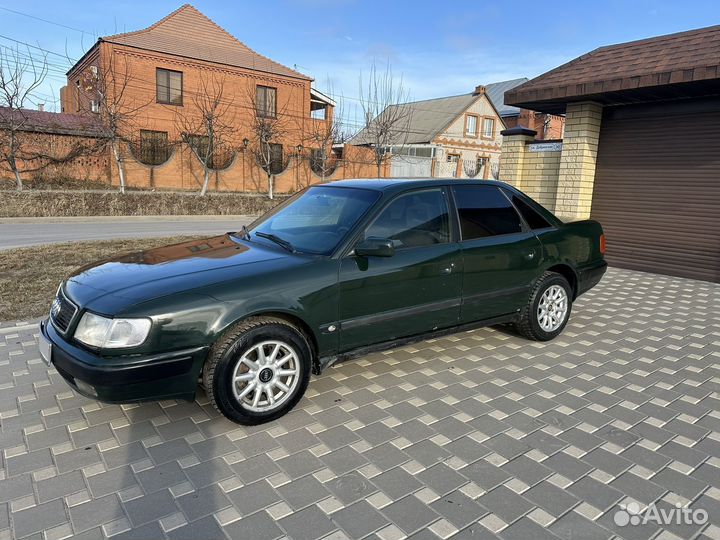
(411, 166)
(657, 188)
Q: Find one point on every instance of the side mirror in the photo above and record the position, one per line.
(375, 247)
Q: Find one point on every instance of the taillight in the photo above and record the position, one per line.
(602, 244)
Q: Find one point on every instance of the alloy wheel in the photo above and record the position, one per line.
(265, 376)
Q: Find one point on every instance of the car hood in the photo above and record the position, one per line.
(110, 285)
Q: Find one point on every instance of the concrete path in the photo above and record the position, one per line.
(22, 232)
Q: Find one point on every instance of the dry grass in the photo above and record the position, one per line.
(31, 203)
(29, 276)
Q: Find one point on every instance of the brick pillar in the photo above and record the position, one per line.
(514, 141)
(577, 162)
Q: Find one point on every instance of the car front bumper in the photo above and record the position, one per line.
(122, 379)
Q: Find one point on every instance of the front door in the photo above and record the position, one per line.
(501, 255)
(414, 291)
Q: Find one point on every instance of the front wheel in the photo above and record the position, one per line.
(547, 312)
(258, 370)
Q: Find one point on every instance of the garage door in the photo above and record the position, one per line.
(657, 188)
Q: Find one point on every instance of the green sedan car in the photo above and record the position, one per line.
(336, 271)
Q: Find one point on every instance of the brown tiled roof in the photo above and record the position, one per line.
(187, 32)
(663, 60)
(50, 122)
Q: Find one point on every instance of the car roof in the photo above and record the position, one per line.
(403, 184)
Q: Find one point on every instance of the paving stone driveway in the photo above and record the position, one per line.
(469, 436)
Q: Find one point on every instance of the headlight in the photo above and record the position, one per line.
(105, 333)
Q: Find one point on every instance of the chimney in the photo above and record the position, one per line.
(41, 107)
(479, 90)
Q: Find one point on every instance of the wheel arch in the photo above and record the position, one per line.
(569, 273)
(288, 317)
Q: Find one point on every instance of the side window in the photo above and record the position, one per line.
(485, 211)
(415, 219)
(529, 214)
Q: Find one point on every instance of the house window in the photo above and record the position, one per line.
(266, 101)
(169, 86)
(153, 147)
(276, 158)
(471, 125)
(488, 128)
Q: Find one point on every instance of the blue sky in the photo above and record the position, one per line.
(438, 48)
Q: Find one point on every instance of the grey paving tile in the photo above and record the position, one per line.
(209, 472)
(679, 483)
(112, 481)
(96, 512)
(396, 483)
(505, 503)
(253, 497)
(59, 486)
(523, 529)
(169, 451)
(441, 479)
(15, 487)
(149, 531)
(485, 474)
(458, 509)
(303, 492)
(350, 488)
(203, 502)
(343, 460)
(572, 526)
(39, 518)
(32, 461)
(255, 468)
(596, 493)
(124, 455)
(410, 514)
(359, 519)
(259, 526)
(552, 499)
(151, 507)
(160, 477)
(206, 527)
(307, 524)
(77, 459)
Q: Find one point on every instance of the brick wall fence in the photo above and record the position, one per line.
(184, 171)
(558, 174)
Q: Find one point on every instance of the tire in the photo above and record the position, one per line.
(546, 323)
(232, 358)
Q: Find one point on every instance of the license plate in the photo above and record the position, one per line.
(45, 349)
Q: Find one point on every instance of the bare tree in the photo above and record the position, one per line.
(108, 89)
(28, 143)
(268, 128)
(386, 114)
(320, 135)
(20, 76)
(208, 126)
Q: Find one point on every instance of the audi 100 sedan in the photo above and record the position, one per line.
(337, 270)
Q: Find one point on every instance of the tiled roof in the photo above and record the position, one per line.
(663, 60)
(50, 122)
(187, 32)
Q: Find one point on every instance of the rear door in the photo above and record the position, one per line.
(414, 291)
(501, 255)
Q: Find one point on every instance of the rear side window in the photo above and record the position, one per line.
(484, 211)
(529, 214)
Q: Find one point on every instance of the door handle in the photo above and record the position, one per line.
(530, 255)
(448, 269)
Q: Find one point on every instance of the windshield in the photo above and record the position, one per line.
(315, 220)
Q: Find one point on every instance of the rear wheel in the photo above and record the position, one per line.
(548, 309)
(258, 370)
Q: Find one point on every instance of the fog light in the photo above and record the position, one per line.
(85, 387)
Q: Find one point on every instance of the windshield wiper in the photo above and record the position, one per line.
(279, 241)
(246, 233)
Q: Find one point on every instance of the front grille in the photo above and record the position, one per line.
(62, 312)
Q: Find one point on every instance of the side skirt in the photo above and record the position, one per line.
(327, 361)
